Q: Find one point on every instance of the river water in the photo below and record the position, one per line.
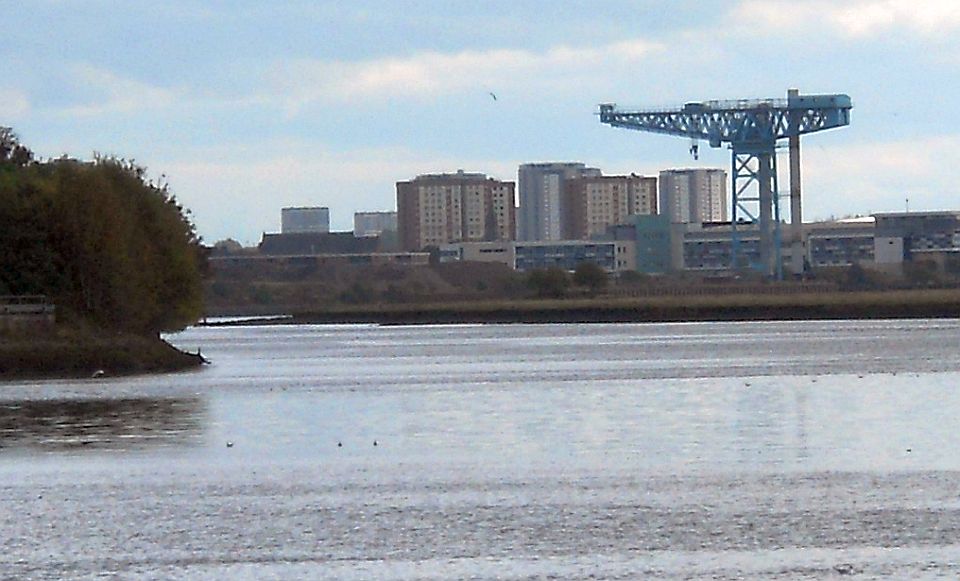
(710, 450)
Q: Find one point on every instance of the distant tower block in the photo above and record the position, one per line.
(694, 195)
(300, 220)
(542, 210)
(373, 223)
(438, 209)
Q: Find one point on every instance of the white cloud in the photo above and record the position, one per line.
(238, 192)
(852, 19)
(880, 176)
(429, 74)
(115, 94)
(14, 104)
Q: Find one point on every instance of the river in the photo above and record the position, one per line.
(773, 450)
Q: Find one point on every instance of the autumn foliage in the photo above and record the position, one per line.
(107, 245)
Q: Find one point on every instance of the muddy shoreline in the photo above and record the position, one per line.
(72, 354)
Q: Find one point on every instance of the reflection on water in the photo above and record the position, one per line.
(120, 424)
(727, 451)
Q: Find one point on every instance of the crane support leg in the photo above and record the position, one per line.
(797, 243)
(798, 246)
(766, 214)
(756, 212)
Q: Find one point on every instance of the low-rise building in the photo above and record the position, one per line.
(917, 233)
(499, 252)
(840, 243)
(312, 243)
(652, 236)
(241, 264)
(611, 255)
(708, 247)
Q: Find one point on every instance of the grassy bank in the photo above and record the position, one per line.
(831, 305)
(81, 353)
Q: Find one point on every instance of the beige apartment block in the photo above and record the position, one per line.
(438, 209)
(694, 196)
(595, 203)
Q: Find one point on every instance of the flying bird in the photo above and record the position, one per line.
(493, 95)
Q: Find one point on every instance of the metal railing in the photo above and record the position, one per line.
(704, 106)
(25, 305)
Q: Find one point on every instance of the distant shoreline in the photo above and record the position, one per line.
(915, 304)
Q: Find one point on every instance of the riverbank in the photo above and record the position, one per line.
(66, 353)
(912, 304)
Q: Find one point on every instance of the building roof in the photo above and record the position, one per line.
(934, 213)
(310, 243)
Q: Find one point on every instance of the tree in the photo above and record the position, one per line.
(549, 283)
(856, 277)
(227, 247)
(591, 276)
(104, 243)
(434, 252)
(12, 152)
(633, 277)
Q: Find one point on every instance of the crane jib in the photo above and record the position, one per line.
(740, 121)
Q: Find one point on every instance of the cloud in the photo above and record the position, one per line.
(111, 93)
(238, 191)
(14, 103)
(852, 19)
(429, 74)
(879, 176)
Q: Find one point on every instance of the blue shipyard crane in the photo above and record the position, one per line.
(752, 129)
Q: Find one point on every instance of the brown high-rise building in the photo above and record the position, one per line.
(440, 209)
(594, 203)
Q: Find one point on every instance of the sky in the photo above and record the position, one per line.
(246, 107)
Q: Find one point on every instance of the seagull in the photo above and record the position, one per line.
(492, 95)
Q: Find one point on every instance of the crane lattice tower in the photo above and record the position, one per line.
(752, 129)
